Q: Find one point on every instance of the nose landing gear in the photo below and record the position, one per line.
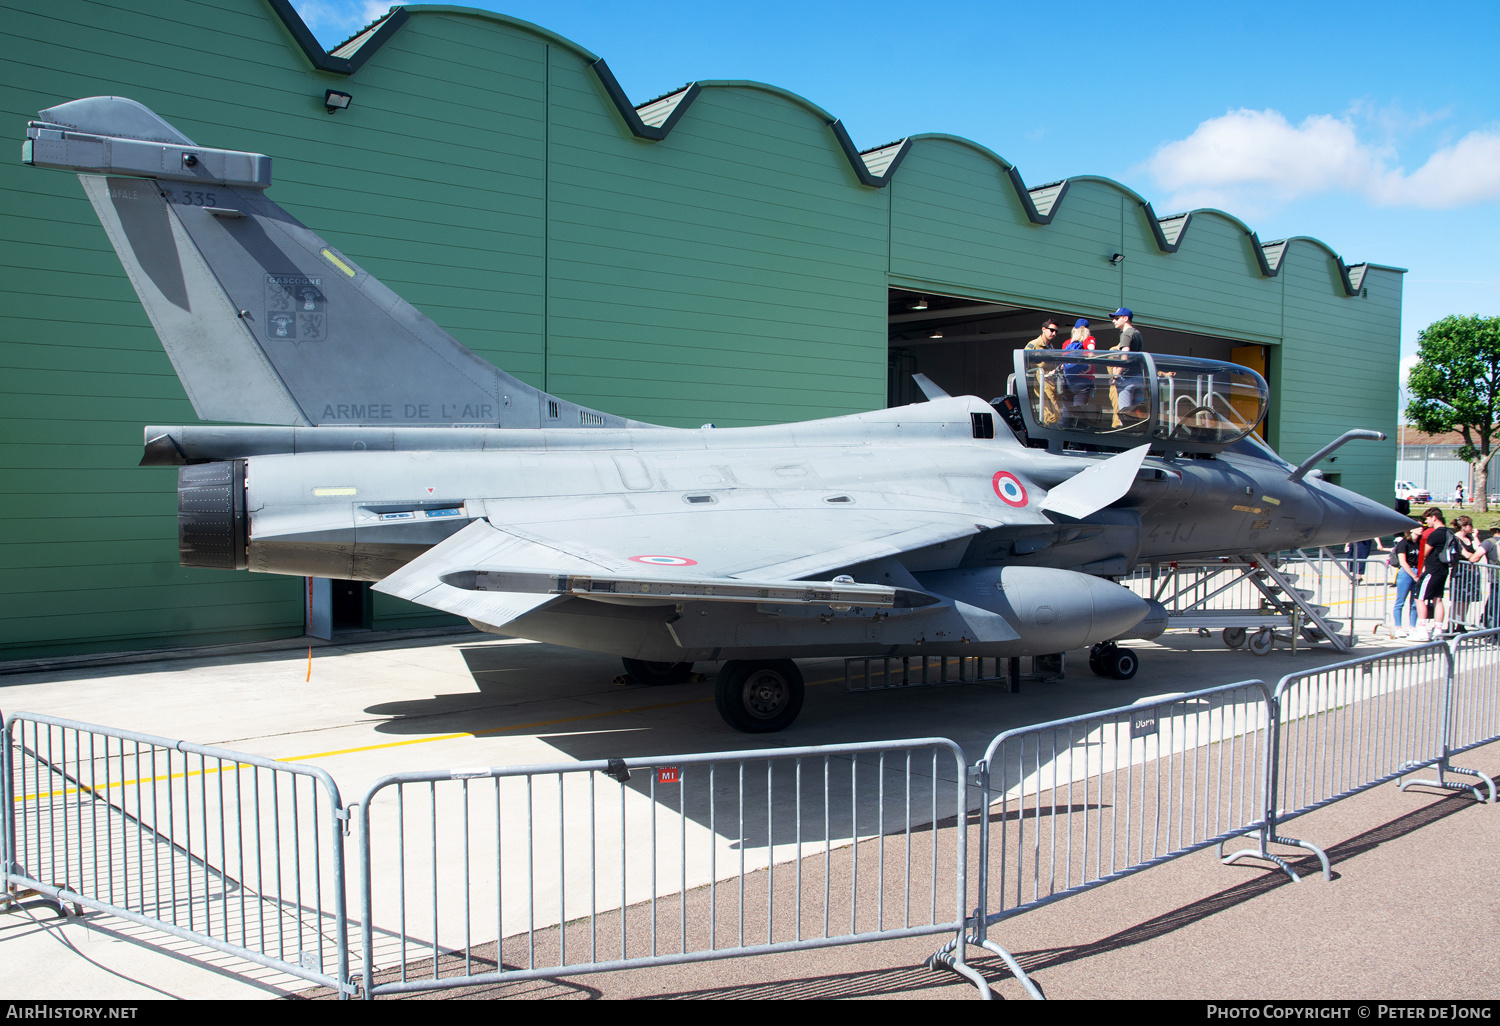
(1108, 659)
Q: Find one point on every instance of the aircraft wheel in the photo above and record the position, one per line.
(1122, 664)
(759, 696)
(655, 674)
(1099, 658)
(1234, 637)
(1261, 642)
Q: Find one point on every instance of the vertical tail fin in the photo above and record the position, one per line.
(264, 321)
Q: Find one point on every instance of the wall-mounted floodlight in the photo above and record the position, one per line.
(1115, 258)
(335, 100)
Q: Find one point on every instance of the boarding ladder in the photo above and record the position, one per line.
(1212, 595)
(1278, 587)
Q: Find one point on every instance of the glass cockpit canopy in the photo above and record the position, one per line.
(1124, 399)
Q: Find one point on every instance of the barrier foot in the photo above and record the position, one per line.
(16, 897)
(1032, 989)
(951, 956)
(1453, 785)
(1319, 852)
(1262, 853)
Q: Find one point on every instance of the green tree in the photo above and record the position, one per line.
(1455, 386)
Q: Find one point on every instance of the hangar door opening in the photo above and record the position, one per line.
(966, 345)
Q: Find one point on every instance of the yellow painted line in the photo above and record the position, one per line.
(515, 727)
(493, 730)
(121, 783)
(390, 744)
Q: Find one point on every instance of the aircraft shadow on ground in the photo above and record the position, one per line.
(569, 700)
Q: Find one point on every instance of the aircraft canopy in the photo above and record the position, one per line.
(1124, 399)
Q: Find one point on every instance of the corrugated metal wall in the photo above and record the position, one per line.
(734, 272)
(1439, 476)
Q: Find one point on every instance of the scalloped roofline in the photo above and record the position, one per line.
(875, 168)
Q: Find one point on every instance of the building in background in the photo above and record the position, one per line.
(723, 253)
(1431, 462)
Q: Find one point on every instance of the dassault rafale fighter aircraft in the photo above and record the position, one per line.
(379, 448)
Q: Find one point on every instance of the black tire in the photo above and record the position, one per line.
(759, 696)
(656, 674)
(1261, 642)
(1099, 658)
(1234, 637)
(1122, 664)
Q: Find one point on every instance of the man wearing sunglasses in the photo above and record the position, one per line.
(1047, 340)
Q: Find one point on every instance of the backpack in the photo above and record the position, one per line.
(1449, 552)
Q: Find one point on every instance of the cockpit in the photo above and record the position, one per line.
(1119, 400)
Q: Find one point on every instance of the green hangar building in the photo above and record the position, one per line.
(723, 253)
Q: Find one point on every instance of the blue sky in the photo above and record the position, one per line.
(1373, 126)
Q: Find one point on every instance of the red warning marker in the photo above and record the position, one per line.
(1010, 489)
(665, 560)
(668, 775)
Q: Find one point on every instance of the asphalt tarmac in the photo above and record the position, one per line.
(1410, 912)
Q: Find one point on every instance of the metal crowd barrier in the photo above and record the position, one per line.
(1472, 599)
(1079, 802)
(234, 852)
(1356, 724)
(1069, 805)
(1474, 705)
(1348, 727)
(493, 875)
(594, 866)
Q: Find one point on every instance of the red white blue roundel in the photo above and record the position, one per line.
(665, 560)
(1010, 489)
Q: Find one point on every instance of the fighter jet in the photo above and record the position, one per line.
(376, 447)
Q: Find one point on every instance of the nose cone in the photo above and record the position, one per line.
(1350, 517)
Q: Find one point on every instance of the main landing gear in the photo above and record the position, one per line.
(1108, 659)
(655, 674)
(759, 696)
(755, 696)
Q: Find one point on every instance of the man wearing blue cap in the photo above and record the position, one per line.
(1130, 335)
(1130, 385)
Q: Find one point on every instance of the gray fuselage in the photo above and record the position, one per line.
(349, 512)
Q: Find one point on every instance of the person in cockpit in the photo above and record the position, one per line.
(1078, 380)
(1047, 373)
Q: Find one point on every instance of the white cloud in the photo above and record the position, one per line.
(1393, 120)
(1407, 363)
(1465, 173)
(1252, 157)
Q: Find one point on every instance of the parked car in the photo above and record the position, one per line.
(1410, 492)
